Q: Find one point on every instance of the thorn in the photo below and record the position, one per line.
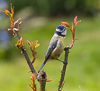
(29, 71)
(21, 51)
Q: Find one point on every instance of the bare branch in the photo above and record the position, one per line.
(64, 68)
(26, 55)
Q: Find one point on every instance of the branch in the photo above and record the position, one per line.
(66, 24)
(15, 31)
(42, 77)
(64, 69)
(26, 55)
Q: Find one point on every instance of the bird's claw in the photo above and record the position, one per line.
(62, 61)
(65, 62)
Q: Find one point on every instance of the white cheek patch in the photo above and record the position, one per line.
(58, 30)
(64, 33)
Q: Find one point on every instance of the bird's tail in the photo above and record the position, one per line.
(43, 65)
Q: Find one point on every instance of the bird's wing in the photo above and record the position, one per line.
(53, 44)
(50, 49)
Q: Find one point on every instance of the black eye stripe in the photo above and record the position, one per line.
(63, 29)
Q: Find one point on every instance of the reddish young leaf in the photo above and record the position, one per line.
(11, 19)
(33, 85)
(75, 19)
(12, 8)
(11, 16)
(7, 12)
(34, 76)
(32, 48)
(36, 44)
(78, 22)
(70, 44)
(48, 80)
(73, 31)
(66, 24)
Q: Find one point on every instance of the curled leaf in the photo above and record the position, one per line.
(33, 85)
(13, 23)
(66, 24)
(36, 44)
(7, 12)
(32, 48)
(20, 44)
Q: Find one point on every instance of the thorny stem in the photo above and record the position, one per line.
(26, 55)
(64, 67)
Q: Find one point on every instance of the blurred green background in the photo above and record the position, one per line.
(40, 18)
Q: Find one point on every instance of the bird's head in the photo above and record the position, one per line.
(61, 30)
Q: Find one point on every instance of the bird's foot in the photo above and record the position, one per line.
(62, 61)
(65, 62)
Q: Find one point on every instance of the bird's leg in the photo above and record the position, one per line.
(62, 61)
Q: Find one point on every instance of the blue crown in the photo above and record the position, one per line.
(61, 30)
(61, 27)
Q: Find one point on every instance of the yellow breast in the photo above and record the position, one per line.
(59, 49)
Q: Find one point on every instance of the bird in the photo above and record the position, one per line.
(56, 45)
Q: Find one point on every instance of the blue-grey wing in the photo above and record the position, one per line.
(50, 49)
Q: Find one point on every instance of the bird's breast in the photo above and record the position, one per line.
(59, 48)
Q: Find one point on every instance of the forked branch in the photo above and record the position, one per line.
(66, 24)
(64, 69)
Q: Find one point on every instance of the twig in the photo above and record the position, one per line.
(16, 31)
(26, 55)
(66, 24)
(64, 68)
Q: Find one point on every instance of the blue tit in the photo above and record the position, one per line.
(56, 45)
